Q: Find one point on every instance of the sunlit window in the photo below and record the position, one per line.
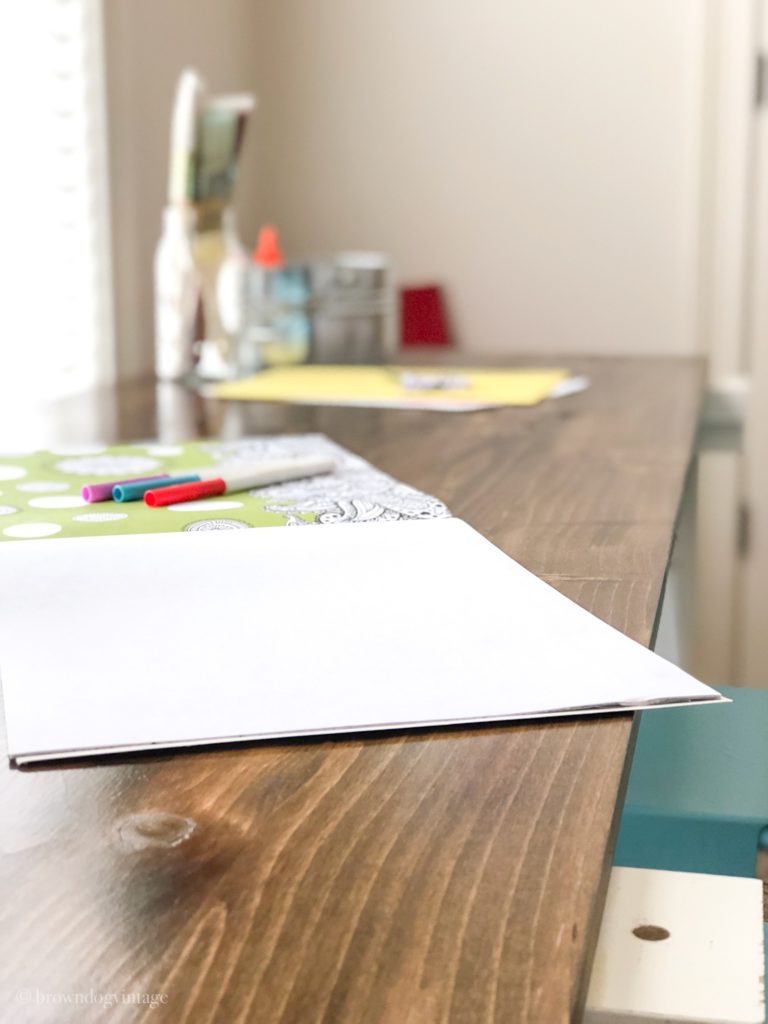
(55, 313)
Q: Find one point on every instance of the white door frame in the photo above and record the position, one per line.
(732, 40)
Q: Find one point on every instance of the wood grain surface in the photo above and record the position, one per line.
(452, 875)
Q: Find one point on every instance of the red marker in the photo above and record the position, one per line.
(239, 480)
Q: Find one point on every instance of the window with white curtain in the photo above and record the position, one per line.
(56, 335)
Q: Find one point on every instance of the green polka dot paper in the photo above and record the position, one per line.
(40, 490)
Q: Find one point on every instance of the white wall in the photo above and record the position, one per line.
(540, 159)
(147, 44)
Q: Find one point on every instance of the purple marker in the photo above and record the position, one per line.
(103, 492)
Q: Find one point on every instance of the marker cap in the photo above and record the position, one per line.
(103, 491)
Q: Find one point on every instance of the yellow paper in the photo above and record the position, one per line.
(383, 386)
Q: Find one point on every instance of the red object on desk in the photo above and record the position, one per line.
(185, 492)
(422, 317)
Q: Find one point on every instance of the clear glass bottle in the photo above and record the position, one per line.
(277, 331)
(221, 264)
(176, 295)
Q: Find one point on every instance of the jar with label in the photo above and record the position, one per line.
(277, 328)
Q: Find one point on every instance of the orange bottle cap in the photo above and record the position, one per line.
(267, 252)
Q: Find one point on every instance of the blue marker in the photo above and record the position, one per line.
(136, 490)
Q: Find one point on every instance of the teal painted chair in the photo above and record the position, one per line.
(697, 798)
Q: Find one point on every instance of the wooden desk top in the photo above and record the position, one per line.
(454, 875)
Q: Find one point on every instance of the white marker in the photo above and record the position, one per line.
(227, 481)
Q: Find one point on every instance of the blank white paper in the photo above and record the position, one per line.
(132, 642)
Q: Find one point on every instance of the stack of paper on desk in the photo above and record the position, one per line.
(440, 389)
(162, 640)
